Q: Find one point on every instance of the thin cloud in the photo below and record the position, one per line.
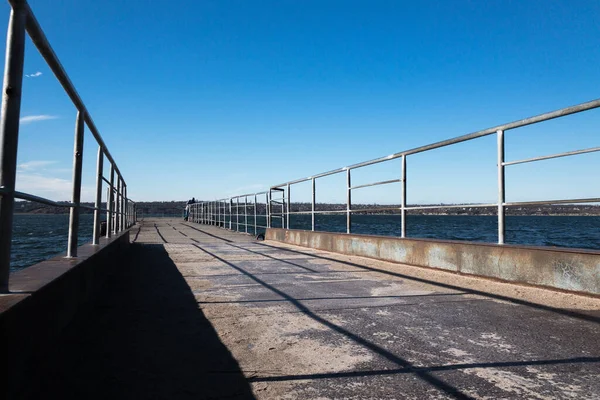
(34, 165)
(50, 187)
(34, 75)
(34, 118)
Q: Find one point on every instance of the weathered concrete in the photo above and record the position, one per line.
(567, 269)
(304, 323)
(44, 299)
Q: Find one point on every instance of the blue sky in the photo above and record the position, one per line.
(216, 98)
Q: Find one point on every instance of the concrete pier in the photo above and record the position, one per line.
(200, 312)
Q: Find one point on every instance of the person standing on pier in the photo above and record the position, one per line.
(187, 208)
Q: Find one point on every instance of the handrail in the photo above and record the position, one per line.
(41, 42)
(121, 211)
(459, 139)
(280, 207)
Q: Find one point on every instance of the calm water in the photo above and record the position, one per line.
(38, 237)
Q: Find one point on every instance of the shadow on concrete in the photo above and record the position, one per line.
(145, 338)
(422, 374)
(408, 296)
(274, 258)
(435, 368)
(137, 233)
(207, 233)
(582, 315)
(160, 234)
(427, 374)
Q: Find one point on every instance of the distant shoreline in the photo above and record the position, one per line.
(175, 209)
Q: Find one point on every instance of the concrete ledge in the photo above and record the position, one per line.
(573, 270)
(45, 298)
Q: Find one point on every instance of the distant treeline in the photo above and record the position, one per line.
(175, 208)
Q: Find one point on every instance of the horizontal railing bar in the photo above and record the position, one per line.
(91, 207)
(37, 199)
(249, 194)
(321, 175)
(43, 200)
(485, 132)
(376, 209)
(358, 210)
(566, 201)
(376, 183)
(316, 212)
(511, 125)
(565, 154)
(41, 42)
(452, 206)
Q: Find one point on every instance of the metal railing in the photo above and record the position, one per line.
(120, 211)
(246, 213)
(278, 200)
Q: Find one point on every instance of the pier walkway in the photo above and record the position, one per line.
(201, 312)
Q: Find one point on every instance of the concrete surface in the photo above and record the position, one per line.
(200, 312)
(576, 270)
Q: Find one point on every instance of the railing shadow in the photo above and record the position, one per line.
(448, 389)
(145, 337)
(577, 314)
(569, 313)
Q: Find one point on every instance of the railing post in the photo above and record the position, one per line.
(117, 206)
(125, 208)
(237, 214)
(501, 187)
(283, 209)
(255, 223)
(314, 197)
(98, 203)
(246, 213)
(268, 208)
(9, 133)
(123, 204)
(348, 201)
(287, 214)
(403, 210)
(230, 214)
(76, 198)
(110, 203)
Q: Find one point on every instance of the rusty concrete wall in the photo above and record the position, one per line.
(568, 269)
